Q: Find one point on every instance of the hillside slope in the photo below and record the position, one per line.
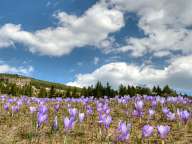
(37, 85)
(22, 80)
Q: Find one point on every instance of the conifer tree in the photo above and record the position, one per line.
(108, 90)
(167, 90)
(42, 93)
(98, 91)
(52, 92)
(13, 90)
(74, 92)
(68, 92)
(122, 90)
(84, 92)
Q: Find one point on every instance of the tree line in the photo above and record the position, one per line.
(97, 91)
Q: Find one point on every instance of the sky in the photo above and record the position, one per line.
(80, 42)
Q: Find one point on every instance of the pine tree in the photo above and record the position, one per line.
(167, 90)
(108, 90)
(154, 91)
(52, 92)
(159, 91)
(133, 91)
(145, 91)
(122, 90)
(28, 90)
(13, 90)
(74, 92)
(90, 91)
(68, 92)
(98, 91)
(42, 93)
(84, 92)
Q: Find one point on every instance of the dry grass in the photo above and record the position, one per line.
(18, 128)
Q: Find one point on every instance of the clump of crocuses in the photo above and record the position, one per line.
(105, 119)
(163, 131)
(6, 107)
(42, 115)
(124, 131)
(147, 131)
(69, 123)
(183, 115)
(138, 111)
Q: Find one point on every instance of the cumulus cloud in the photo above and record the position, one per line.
(166, 25)
(177, 73)
(4, 68)
(92, 28)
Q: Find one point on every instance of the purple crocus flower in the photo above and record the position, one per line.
(19, 103)
(43, 109)
(107, 111)
(137, 113)
(107, 121)
(41, 118)
(15, 109)
(162, 101)
(6, 107)
(163, 131)
(124, 130)
(56, 107)
(139, 105)
(101, 118)
(72, 111)
(68, 123)
(81, 117)
(89, 110)
(55, 123)
(99, 107)
(105, 107)
(32, 109)
(147, 131)
(154, 104)
(184, 115)
(165, 110)
(170, 116)
(151, 112)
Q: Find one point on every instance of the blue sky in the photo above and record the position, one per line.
(78, 42)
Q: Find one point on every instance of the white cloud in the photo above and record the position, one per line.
(165, 24)
(178, 74)
(91, 28)
(163, 53)
(4, 68)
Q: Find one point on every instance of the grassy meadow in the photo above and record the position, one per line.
(30, 120)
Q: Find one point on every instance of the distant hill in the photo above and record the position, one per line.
(21, 81)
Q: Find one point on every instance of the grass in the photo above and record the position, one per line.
(21, 127)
